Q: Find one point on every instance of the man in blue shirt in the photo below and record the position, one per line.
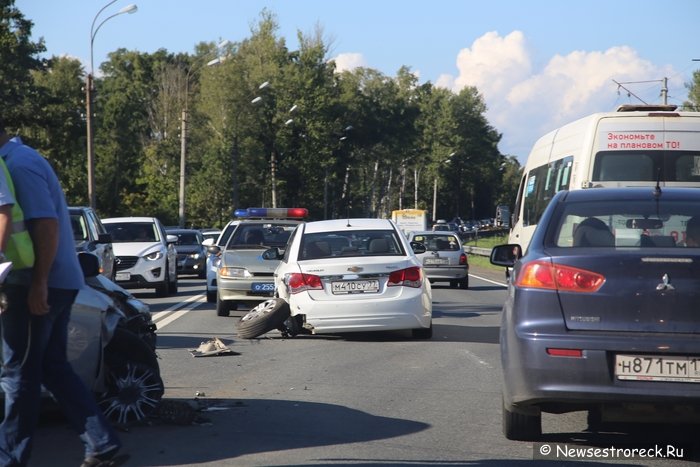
(35, 321)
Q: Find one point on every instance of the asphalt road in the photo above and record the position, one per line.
(356, 399)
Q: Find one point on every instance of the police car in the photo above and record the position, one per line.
(242, 276)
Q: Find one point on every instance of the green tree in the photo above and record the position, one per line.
(693, 102)
(18, 56)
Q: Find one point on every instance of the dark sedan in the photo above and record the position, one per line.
(191, 253)
(603, 312)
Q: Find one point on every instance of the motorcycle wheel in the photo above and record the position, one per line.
(265, 317)
(133, 386)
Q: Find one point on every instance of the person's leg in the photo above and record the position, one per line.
(75, 400)
(23, 342)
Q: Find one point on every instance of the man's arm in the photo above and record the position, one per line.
(44, 233)
(5, 225)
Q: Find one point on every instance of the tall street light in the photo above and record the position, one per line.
(88, 98)
(184, 128)
(435, 186)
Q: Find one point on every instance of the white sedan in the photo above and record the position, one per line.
(350, 275)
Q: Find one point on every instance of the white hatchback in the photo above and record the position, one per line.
(350, 275)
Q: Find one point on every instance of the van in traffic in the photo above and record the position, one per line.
(633, 146)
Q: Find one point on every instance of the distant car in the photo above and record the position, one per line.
(214, 257)
(444, 259)
(602, 312)
(145, 254)
(210, 235)
(191, 253)
(92, 237)
(349, 275)
(242, 277)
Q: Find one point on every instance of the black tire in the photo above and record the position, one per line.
(163, 288)
(173, 285)
(133, 386)
(423, 333)
(454, 284)
(521, 427)
(265, 317)
(464, 283)
(224, 307)
(211, 296)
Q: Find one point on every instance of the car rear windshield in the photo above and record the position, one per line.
(348, 244)
(628, 224)
(437, 242)
(127, 232)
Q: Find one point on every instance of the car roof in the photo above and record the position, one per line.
(433, 232)
(111, 220)
(347, 225)
(630, 193)
(178, 230)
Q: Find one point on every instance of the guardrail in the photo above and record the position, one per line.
(475, 250)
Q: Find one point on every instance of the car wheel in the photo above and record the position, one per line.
(223, 307)
(211, 296)
(521, 427)
(454, 284)
(163, 288)
(423, 333)
(265, 317)
(464, 283)
(173, 285)
(133, 385)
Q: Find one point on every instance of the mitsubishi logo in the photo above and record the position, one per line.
(665, 284)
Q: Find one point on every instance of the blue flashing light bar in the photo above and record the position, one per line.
(275, 213)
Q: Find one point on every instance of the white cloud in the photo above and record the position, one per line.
(523, 103)
(349, 61)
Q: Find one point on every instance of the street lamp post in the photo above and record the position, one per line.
(88, 98)
(435, 187)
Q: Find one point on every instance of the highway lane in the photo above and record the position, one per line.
(362, 399)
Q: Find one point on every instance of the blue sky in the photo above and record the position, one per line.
(538, 63)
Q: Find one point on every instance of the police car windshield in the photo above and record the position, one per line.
(251, 235)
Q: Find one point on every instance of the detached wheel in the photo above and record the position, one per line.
(521, 427)
(133, 384)
(265, 317)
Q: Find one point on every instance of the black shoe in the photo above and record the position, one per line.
(108, 458)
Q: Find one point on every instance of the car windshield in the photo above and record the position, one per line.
(354, 243)
(622, 224)
(131, 232)
(438, 242)
(260, 235)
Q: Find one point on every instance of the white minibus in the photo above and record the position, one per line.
(633, 146)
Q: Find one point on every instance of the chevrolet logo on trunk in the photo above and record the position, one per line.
(355, 269)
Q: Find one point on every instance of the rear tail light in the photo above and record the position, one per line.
(409, 277)
(547, 275)
(299, 282)
(463, 259)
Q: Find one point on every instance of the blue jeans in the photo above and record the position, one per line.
(34, 353)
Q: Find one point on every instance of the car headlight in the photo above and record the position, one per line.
(194, 256)
(234, 273)
(155, 256)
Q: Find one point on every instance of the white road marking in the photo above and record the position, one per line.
(473, 357)
(489, 280)
(165, 317)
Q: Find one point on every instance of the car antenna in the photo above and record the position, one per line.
(657, 189)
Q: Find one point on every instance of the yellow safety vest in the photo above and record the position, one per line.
(19, 248)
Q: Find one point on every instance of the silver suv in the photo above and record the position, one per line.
(146, 255)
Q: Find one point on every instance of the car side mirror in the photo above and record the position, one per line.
(272, 253)
(89, 263)
(208, 242)
(506, 255)
(171, 238)
(418, 248)
(214, 250)
(104, 238)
